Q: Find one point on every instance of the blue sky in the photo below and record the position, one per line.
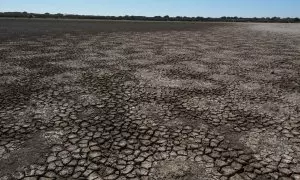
(205, 8)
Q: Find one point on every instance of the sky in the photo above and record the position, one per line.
(204, 8)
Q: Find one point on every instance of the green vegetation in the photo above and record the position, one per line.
(144, 18)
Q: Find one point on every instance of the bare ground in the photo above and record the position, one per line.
(124, 100)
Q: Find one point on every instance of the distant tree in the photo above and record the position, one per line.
(25, 14)
(46, 15)
(59, 15)
(31, 15)
(156, 18)
(198, 18)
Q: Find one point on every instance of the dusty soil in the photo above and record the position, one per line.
(149, 100)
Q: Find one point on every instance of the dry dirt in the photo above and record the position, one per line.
(149, 100)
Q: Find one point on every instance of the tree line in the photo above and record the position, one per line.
(144, 18)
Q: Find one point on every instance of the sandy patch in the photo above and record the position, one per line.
(53, 137)
(195, 66)
(75, 64)
(20, 117)
(32, 54)
(152, 112)
(277, 28)
(209, 59)
(165, 67)
(67, 77)
(45, 113)
(273, 109)
(100, 72)
(56, 48)
(8, 68)
(263, 76)
(202, 103)
(266, 143)
(246, 64)
(223, 77)
(296, 61)
(156, 114)
(180, 170)
(8, 79)
(251, 86)
(89, 99)
(179, 51)
(158, 79)
(115, 55)
(12, 73)
(31, 152)
(223, 68)
(146, 61)
(4, 48)
(293, 98)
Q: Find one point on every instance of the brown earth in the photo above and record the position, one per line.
(149, 100)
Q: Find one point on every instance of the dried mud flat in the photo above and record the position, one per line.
(124, 100)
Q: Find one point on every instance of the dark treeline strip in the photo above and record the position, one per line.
(144, 18)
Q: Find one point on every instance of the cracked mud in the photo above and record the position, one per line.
(209, 101)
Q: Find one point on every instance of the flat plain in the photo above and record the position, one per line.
(149, 100)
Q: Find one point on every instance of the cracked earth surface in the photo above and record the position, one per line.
(221, 102)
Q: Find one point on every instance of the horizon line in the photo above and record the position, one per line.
(146, 16)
